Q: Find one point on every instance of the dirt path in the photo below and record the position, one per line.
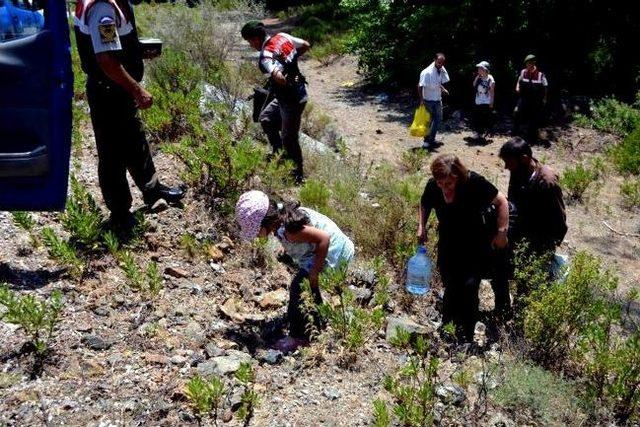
(375, 125)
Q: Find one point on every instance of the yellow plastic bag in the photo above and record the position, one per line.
(421, 120)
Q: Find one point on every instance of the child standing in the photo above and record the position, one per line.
(484, 86)
(311, 239)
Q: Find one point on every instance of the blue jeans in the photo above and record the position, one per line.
(435, 109)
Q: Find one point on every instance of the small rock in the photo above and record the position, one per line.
(501, 420)
(270, 356)
(379, 131)
(488, 381)
(194, 331)
(159, 206)
(101, 310)
(207, 369)
(406, 324)
(158, 359)
(215, 253)
(176, 272)
(213, 350)
(331, 393)
(24, 246)
(365, 277)
(196, 359)
(363, 295)
(274, 299)
(228, 416)
(231, 309)
(231, 362)
(218, 268)
(196, 290)
(451, 394)
(95, 342)
(178, 360)
(83, 327)
(236, 400)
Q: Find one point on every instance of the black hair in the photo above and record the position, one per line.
(289, 214)
(515, 148)
(440, 54)
(253, 29)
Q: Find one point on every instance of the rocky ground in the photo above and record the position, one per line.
(122, 358)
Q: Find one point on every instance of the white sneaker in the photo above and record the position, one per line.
(426, 145)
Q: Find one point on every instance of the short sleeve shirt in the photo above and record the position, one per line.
(460, 224)
(282, 45)
(483, 90)
(102, 22)
(430, 80)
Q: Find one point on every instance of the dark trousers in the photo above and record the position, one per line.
(298, 319)
(501, 272)
(460, 303)
(281, 121)
(527, 119)
(121, 144)
(482, 119)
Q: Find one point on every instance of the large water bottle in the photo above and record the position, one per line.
(419, 272)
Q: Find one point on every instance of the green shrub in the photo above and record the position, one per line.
(62, 251)
(630, 192)
(149, 282)
(249, 399)
(23, 220)
(575, 181)
(353, 325)
(37, 318)
(559, 314)
(413, 388)
(82, 217)
(538, 394)
(626, 155)
(611, 115)
(315, 194)
(205, 396)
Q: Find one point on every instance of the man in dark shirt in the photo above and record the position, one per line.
(537, 196)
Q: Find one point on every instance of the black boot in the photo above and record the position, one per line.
(160, 191)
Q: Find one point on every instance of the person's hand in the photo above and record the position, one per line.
(279, 78)
(500, 240)
(313, 279)
(445, 92)
(143, 99)
(422, 235)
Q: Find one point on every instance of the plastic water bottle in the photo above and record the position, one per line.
(419, 272)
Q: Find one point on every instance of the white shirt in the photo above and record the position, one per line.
(430, 81)
(483, 90)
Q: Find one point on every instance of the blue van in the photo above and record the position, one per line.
(36, 88)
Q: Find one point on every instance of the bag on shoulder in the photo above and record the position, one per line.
(261, 97)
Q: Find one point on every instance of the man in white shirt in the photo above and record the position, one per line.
(430, 90)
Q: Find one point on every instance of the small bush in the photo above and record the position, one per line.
(626, 155)
(205, 397)
(558, 314)
(413, 388)
(576, 180)
(37, 318)
(62, 251)
(611, 115)
(315, 194)
(353, 325)
(630, 192)
(82, 217)
(538, 394)
(149, 281)
(24, 220)
(249, 399)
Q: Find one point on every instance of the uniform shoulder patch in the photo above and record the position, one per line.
(107, 29)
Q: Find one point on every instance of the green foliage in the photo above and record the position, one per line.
(630, 192)
(205, 396)
(315, 194)
(23, 220)
(611, 115)
(381, 416)
(62, 251)
(558, 314)
(249, 398)
(148, 281)
(353, 325)
(576, 180)
(82, 217)
(626, 155)
(175, 84)
(538, 394)
(111, 242)
(37, 318)
(414, 387)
